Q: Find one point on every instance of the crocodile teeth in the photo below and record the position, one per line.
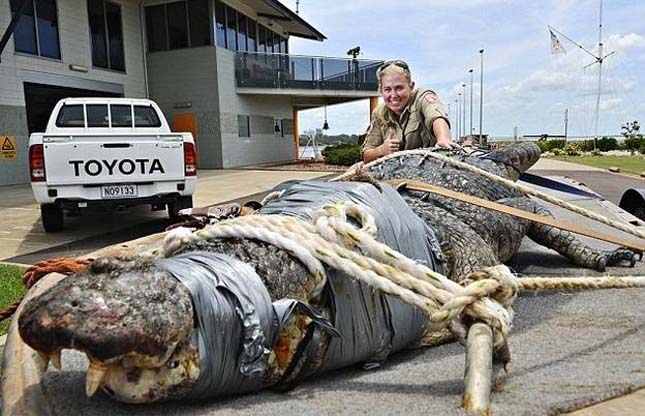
(95, 376)
(56, 360)
(42, 361)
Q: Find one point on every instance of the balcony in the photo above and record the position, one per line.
(283, 71)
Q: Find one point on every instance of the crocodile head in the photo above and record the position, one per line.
(132, 320)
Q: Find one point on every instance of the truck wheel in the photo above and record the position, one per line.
(177, 205)
(52, 216)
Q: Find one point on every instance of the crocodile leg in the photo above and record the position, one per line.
(567, 244)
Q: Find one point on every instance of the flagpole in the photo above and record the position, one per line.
(600, 59)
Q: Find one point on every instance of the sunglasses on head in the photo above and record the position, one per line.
(396, 62)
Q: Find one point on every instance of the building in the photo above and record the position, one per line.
(220, 69)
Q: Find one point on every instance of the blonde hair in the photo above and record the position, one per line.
(393, 69)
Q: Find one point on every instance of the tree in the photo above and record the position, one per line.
(633, 138)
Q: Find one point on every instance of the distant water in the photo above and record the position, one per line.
(310, 152)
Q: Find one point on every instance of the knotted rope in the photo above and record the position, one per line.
(331, 239)
(497, 179)
(34, 273)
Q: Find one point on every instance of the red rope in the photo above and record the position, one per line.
(34, 273)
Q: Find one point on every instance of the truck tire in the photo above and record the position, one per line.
(52, 216)
(633, 201)
(178, 204)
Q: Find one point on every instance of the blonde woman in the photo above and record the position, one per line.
(408, 118)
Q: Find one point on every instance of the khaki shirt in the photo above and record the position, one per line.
(417, 118)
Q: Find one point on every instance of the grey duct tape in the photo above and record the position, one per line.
(378, 324)
(237, 323)
(235, 319)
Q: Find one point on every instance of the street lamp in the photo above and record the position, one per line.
(463, 116)
(471, 101)
(458, 101)
(481, 94)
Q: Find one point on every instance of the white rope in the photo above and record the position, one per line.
(498, 179)
(381, 267)
(486, 295)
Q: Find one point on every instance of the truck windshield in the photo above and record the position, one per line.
(145, 116)
(71, 116)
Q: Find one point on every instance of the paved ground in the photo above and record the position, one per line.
(23, 240)
(569, 350)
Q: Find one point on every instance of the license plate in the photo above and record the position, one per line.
(118, 191)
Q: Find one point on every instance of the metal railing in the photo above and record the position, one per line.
(274, 70)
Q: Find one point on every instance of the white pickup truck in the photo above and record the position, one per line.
(115, 152)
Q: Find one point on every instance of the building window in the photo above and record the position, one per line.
(244, 125)
(234, 30)
(37, 29)
(262, 43)
(220, 24)
(177, 25)
(156, 28)
(278, 127)
(241, 32)
(199, 23)
(231, 29)
(106, 31)
(181, 24)
(252, 35)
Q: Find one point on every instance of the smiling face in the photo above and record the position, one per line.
(396, 90)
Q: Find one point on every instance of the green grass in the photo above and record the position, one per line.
(628, 164)
(11, 289)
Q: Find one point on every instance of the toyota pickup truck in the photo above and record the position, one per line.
(114, 152)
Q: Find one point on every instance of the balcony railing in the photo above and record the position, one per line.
(272, 70)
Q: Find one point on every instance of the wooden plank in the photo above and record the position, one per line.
(562, 225)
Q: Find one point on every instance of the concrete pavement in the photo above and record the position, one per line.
(22, 233)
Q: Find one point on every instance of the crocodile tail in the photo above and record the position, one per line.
(517, 158)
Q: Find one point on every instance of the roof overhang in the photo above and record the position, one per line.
(292, 23)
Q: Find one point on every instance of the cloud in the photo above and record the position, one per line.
(623, 43)
(610, 103)
(524, 85)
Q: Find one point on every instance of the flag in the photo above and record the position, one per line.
(556, 46)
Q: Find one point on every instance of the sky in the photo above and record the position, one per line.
(525, 85)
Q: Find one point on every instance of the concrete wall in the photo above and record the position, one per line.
(263, 146)
(185, 81)
(74, 37)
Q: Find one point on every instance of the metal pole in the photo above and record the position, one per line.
(479, 368)
(463, 117)
(456, 120)
(600, 59)
(481, 94)
(459, 110)
(471, 101)
(566, 124)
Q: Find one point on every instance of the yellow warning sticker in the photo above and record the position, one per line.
(8, 149)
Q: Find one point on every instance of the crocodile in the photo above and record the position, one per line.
(140, 320)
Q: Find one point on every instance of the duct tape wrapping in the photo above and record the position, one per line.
(371, 324)
(235, 321)
(237, 324)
